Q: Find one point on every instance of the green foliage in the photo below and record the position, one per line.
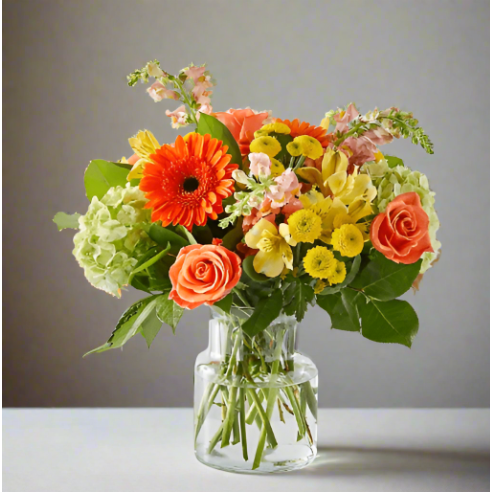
(129, 323)
(384, 279)
(150, 274)
(164, 236)
(303, 296)
(225, 304)
(233, 236)
(66, 221)
(393, 161)
(342, 309)
(212, 126)
(168, 311)
(267, 310)
(102, 175)
(388, 322)
(283, 140)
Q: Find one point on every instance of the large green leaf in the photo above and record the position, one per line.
(162, 236)
(119, 336)
(212, 126)
(66, 221)
(150, 327)
(354, 268)
(168, 311)
(303, 295)
(234, 236)
(267, 310)
(388, 322)
(342, 309)
(101, 175)
(384, 279)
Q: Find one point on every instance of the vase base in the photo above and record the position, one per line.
(278, 460)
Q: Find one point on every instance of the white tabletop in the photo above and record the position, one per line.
(146, 450)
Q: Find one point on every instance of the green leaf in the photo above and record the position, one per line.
(162, 236)
(150, 327)
(212, 126)
(66, 221)
(303, 295)
(149, 262)
(389, 322)
(234, 236)
(119, 335)
(348, 279)
(225, 304)
(283, 140)
(249, 269)
(342, 309)
(384, 279)
(101, 175)
(168, 311)
(393, 161)
(267, 310)
(142, 315)
(186, 233)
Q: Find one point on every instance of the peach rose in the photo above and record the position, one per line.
(203, 274)
(401, 233)
(242, 123)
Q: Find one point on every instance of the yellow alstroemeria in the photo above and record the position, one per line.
(334, 181)
(143, 144)
(334, 213)
(274, 248)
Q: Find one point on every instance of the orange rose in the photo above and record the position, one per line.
(401, 233)
(203, 274)
(242, 123)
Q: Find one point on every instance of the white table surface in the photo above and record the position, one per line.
(148, 450)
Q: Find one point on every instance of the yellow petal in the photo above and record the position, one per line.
(310, 174)
(359, 208)
(270, 264)
(144, 143)
(256, 233)
(137, 170)
(333, 162)
(337, 182)
(284, 231)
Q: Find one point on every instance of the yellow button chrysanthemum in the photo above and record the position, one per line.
(310, 146)
(277, 168)
(320, 262)
(338, 276)
(294, 149)
(305, 226)
(261, 133)
(268, 145)
(276, 128)
(348, 240)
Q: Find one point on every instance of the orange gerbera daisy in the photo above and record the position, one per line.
(302, 128)
(186, 183)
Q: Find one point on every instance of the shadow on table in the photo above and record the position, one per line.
(348, 460)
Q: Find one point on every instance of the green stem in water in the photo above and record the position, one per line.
(311, 398)
(215, 439)
(230, 417)
(243, 423)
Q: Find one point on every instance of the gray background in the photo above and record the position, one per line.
(66, 102)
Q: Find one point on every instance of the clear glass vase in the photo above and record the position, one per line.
(255, 399)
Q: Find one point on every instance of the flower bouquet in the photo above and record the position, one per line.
(258, 218)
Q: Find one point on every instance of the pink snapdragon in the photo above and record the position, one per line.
(179, 116)
(287, 185)
(345, 117)
(195, 73)
(259, 164)
(158, 92)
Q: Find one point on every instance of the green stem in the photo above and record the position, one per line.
(241, 297)
(243, 423)
(295, 408)
(215, 439)
(302, 408)
(252, 412)
(311, 399)
(266, 428)
(205, 405)
(230, 417)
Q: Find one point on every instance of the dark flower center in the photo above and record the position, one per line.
(191, 184)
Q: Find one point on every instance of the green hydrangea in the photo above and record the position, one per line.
(111, 238)
(391, 182)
